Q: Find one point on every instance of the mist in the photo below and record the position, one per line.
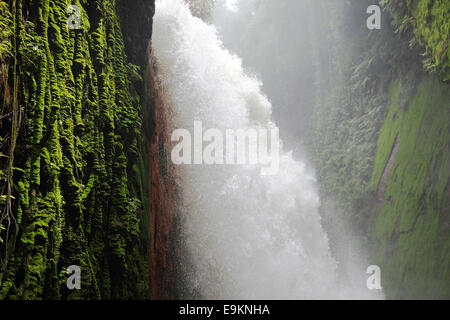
(268, 241)
(289, 46)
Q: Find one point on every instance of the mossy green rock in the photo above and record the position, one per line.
(79, 197)
(411, 229)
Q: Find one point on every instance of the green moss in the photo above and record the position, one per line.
(6, 30)
(79, 196)
(407, 227)
(388, 134)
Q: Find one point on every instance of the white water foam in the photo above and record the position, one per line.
(248, 236)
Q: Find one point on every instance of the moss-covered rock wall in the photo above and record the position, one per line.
(74, 187)
(410, 230)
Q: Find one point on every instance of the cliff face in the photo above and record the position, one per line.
(410, 228)
(74, 149)
(163, 195)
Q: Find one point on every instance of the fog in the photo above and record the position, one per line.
(298, 50)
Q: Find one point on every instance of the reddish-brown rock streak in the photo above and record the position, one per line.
(162, 194)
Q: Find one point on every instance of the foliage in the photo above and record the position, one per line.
(427, 23)
(5, 29)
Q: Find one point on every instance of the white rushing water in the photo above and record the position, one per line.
(249, 236)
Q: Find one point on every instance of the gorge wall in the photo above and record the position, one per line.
(164, 248)
(74, 166)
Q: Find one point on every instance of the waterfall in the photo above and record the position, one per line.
(247, 235)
